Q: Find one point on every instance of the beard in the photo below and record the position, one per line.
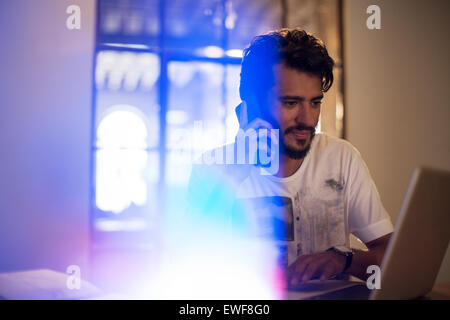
(296, 152)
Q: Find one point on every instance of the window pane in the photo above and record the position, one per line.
(129, 22)
(126, 78)
(196, 97)
(251, 18)
(121, 179)
(125, 169)
(193, 24)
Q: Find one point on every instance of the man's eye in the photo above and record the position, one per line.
(316, 103)
(290, 103)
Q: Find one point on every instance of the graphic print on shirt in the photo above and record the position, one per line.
(306, 221)
(268, 217)
(322, 217)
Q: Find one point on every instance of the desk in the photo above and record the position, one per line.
(440, 291)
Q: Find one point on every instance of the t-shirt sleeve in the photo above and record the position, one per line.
(367, 218)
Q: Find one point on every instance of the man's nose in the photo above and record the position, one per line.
(305, 114)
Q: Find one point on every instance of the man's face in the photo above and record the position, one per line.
(295, 102)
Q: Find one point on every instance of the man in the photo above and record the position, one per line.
(324, 181)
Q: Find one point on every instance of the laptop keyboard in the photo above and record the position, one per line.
(358, 292)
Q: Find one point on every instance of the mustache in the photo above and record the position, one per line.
(300, 127)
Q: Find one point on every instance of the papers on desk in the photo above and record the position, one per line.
(43, 284)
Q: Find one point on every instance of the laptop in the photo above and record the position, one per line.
(415, 252)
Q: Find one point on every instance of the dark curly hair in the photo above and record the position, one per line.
(294, 47)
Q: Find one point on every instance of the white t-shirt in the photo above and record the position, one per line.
(330, 196)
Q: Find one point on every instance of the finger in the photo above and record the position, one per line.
(258, 123)
(265, 143)
(311, 270)
(298, 264)
(269, 138)
(301, 267)
(296, 271)
(275, 136)
(328, 271)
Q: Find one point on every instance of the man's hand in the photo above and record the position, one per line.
(322, 265)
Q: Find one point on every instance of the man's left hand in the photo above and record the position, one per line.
(322, 265)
